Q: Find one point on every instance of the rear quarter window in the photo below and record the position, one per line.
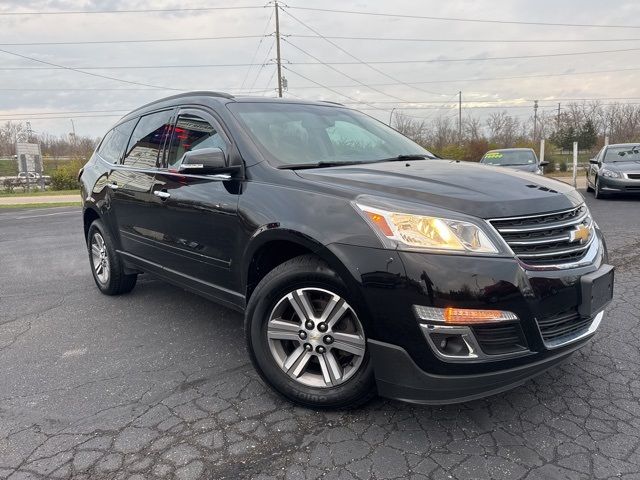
(115, 141)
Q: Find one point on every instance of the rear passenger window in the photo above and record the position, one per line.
(148, 139)
(114, 142)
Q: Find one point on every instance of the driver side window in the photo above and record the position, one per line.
(192, 132)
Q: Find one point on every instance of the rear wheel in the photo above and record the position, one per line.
(106, 265)
(305, 337)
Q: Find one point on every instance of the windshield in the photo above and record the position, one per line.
(509, 157)
(628, 153)
(298, 134)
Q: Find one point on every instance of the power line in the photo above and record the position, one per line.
(462, 40)
(26, 57)
(146, 10)
(458, 19)
(244, 80)
(263, 64)
(286, 67)
(53, 66)
(149, 40)
(8, 119)
(71, 112)
(134, 67)
(320, 62)
(359, 60)
(477, 59)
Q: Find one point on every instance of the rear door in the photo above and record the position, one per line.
(199, 224)
(110, 152)
(131, 183)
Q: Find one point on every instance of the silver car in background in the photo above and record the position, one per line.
(615, 169)
(523, 159)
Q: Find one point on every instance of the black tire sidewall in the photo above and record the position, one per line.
(273, 287)
(118, 282)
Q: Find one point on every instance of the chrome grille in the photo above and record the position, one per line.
(567, 323)
(633, 176)
(547, 239)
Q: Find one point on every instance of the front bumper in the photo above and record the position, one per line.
(619, 185)
(389, 283)
(398, 377)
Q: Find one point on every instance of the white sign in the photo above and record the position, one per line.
(29, 157)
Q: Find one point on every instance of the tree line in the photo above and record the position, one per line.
(52, 146)
(588, 123)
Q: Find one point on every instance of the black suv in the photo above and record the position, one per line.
(363, 263)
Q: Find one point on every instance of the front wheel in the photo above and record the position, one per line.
(597, 193)
(306, 339)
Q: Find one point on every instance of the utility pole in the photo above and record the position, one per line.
(278, 49)
(73, 129)
(535, 119)
(460, 116)
(558, 118)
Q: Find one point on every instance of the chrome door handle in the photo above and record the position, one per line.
(112, 186)
(161, 194)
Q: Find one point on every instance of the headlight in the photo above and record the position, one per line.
(609, 173)
(427, 232)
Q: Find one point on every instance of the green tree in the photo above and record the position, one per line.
(587, 136)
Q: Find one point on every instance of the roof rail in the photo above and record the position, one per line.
(199, 93)
(333, 103)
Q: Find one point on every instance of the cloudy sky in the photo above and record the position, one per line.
(419, 78)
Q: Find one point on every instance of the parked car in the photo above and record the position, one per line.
(524, 159)
(34, 178)
(362, 264)
(615, 169)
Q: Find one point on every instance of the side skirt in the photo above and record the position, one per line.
(228, 298)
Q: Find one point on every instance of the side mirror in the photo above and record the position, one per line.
(543, 163)
(203, 161)
(594, 161)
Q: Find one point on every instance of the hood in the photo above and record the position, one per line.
(624, 166)
(531, 167)
(465, 187)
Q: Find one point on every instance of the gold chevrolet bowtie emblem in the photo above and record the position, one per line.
(580, 234)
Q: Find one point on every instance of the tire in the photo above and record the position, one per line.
(596, 191)
(311, 370)
(589, 189)
(106, 265)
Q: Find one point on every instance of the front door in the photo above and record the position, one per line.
(199, 223)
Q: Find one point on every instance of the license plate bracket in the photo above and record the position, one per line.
(597, 290)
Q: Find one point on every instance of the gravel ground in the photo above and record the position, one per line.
(156, 384)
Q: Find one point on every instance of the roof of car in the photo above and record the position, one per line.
(624, 144)
(218, 97)
(510, 149)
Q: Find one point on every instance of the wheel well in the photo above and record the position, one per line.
(269, 256)
(89, 216)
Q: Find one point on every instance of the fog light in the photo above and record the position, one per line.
(462, 316)
(450, 345)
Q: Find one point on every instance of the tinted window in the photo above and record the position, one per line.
(148, 139)
(290, 133)
(509, 157)
(114, 142)
(192, 133)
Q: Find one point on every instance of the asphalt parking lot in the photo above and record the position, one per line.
(156, 384)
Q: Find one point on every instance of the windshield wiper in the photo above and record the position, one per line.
(301, 166)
